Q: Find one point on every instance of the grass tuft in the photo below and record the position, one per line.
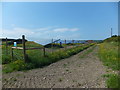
(113, 80)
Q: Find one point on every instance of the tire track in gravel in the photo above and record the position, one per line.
(72, 72)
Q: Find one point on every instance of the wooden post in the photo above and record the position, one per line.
(12, 53)
(65, 41)
(24, 52)
(52, 45)
(65, 44)
(44, 51)
(6, 47)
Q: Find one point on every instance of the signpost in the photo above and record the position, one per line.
(15, 44)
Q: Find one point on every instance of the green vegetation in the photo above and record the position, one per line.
(0, 55)
(60, 79)
(35, 57)
(114, 38)
(113, 80)
(40, 61)
(108, 53)
(6, 58)
(30, 44)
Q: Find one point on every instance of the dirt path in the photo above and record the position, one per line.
(73, 72)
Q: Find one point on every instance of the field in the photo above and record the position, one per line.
(35, 57)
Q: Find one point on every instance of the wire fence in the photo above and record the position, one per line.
(26, 48)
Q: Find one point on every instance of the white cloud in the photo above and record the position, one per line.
(41, 33)
(16, 32)
(65, 29)
(74, 29)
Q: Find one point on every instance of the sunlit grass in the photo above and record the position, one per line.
(108, 53)
(113, 80)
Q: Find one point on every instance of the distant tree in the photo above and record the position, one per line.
(114, 36)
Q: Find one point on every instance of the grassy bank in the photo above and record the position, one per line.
(36, 59)
(108, 53)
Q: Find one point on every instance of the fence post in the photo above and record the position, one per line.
(52, 45)
(24, 51)
(65, 41)
(12, 53)
(44, 51)
(65, 44)
(6, 47)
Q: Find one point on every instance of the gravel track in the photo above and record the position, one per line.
(72, 72)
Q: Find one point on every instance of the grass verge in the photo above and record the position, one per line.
(110, 56)
(113, 80)
(108, 53)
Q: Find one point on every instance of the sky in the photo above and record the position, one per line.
(59, 20)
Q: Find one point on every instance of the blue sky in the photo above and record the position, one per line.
(64, 20)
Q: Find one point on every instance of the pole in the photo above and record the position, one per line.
(12, 53)
(44, 51)
(65, 44)
(24, 52)
(52, 45)
(65, 41)
(111, 32)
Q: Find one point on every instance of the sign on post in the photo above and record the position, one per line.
(15, 44)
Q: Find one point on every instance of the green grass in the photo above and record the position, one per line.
(17, 65)
(30, 44)
(108, 53)
(114, 38)
(110, 56)
(113, 80)
(18, 54)
(39, 61)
